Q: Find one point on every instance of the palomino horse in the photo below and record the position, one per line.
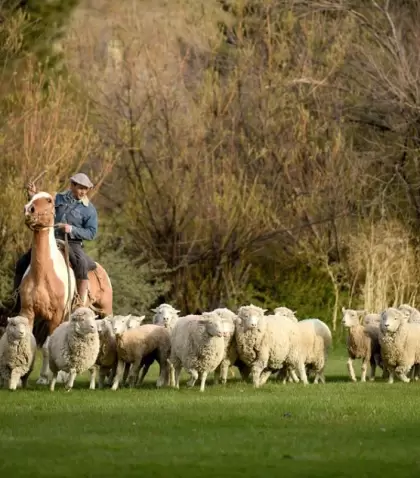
(48, 286)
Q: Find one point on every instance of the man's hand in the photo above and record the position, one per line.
(65, 227)
(31, 188)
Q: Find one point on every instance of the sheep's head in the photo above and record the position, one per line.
(225, 313)
(250, 316)
(391, 319)
(119, 324)
(410, 313)
(213, 324)
(351, 317)
(164, 315)
(39, 211)
(228, 328)
(84, 321)
(286, 312)
(17, 328)
(134, 321)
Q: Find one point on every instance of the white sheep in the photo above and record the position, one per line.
(286, 312)
(410, 313)
(17, 352)
(316, 340)
(362, 343)
(141, 346)
(267, 343)
(197, 344)
(165, 316)
(231, 355)
(74, 346)
(400, 343)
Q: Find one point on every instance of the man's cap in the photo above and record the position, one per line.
(82, 179)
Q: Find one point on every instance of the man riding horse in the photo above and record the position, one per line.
(75, 216)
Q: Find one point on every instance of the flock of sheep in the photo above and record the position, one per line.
(122, 348)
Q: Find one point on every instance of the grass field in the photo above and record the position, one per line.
(337, 430)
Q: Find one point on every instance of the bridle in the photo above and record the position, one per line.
(36, 216)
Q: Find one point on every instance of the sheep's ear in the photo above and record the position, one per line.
(154, 310)
(203, 321)
(141, 318)
(9, 319)
(177, 311)
(294, 312)
(237, 320)
(343, 309)
(264, 310)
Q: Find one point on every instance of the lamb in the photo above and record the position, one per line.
(410, 313)
(74, 347)
(140, 347)
(107, 356)
(165, 316)
(198, 346)
(267, 343)
(17, 352)
(286, 312)
(316, 339)
(362, 343)
(231, 355)
(400, 343)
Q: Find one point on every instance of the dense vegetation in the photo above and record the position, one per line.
(254, 150)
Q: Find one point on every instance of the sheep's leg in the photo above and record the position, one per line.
(293, 377)
(391, 374)
(14, 380)
(24, 379)
(319, 377)
(178, 368)
(265, 375)
(163, 378)
(70, 382)
(203, 381)
(53, 381)
(302, 372)
(45, 373)
(118, 374)
(351, 369)
(171, 372)
(194, 376)
(144, 371)
(256, 371)
(401, 373)
(92, 382)
(365, 362)
(224, 371)
(127, 369)
(134, 372)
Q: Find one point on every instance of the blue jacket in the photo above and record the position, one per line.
(81, 215)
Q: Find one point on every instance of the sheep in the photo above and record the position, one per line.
(165, 316)
(141, 346)
(400, 343)
(362, 342)
(198, 346)
(134, 321)
(316, 339)
(17, 352)
(410, 313)
(74, 347)
(231, 355)
(286, 312)
(107, 356)
(267, 343)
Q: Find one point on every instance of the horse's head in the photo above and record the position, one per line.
(40, 211)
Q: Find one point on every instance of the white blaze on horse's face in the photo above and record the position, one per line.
(39, 211)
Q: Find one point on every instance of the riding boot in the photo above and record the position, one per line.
(82, 289)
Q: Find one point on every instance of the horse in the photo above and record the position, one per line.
(47, 289)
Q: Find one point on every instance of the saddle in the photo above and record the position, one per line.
(90, 262)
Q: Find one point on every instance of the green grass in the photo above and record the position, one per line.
(337, 430)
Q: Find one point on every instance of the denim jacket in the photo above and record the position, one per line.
(80, 214)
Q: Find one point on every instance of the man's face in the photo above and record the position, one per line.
(78, 191)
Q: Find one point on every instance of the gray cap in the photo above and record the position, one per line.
(82, 179)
